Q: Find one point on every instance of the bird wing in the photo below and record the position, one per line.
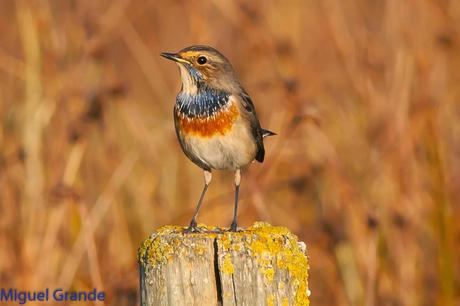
(257, 131)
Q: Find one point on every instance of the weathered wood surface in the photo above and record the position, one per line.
(262, 265)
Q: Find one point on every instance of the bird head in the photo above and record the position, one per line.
(203, 67)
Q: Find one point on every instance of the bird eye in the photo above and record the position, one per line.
(202, 60)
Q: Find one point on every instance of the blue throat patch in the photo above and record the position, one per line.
(206, 102)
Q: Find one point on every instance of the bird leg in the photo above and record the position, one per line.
(234, 225)
(193, 225)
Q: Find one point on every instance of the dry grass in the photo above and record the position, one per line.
(366, 168)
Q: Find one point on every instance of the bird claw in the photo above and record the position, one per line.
(233, 227)
(193, 229)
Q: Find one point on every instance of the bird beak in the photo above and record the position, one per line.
(174, 57)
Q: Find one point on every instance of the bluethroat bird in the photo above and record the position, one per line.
(215, 119)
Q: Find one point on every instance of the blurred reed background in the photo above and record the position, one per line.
(366, 168)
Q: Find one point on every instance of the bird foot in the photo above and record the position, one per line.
(234, 227)
(193, 229)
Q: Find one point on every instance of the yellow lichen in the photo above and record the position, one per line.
(281, 244)
(227, 265)
(273, 249)
(269, 273)
(160, 250)
(270, 300)
(143, 250)
(272, 246)
(285, 302)
(200, 248)
(225, 241)
(160, 247)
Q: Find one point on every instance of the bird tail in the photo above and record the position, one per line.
(266, 133)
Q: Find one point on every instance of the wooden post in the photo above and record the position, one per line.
(262, 265)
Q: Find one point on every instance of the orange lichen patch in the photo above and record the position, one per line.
(219, 123)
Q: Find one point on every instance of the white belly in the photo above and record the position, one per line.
(231, 151)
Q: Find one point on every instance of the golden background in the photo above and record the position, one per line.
(364, 96)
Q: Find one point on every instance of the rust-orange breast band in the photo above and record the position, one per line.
(219, 123)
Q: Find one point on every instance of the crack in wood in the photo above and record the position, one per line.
(234, 290)
(217, 272)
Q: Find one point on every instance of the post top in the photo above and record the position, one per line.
(271, 247)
